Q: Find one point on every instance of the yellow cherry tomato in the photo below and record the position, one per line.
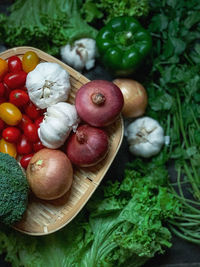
(29, 61)
(3, 67)
(10, 114)
(8, 148)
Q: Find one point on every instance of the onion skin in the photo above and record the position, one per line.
(88, 146)
(49, 174)
(99, 102)
(135, 97)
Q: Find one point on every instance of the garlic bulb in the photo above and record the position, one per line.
(48, 84)
(145, 137)
(57, 124)
(81, 54)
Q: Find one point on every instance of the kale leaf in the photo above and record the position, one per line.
(46, 25)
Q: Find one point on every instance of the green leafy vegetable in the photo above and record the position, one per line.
(122, 228)
(44, 24)
(108, 9)
(173, 89)
(124, 224)
(13, 190)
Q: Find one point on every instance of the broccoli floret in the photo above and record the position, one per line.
(13, 190)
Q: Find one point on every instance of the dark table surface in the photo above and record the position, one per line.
(182, 253)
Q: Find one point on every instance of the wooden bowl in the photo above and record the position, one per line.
(45, 217)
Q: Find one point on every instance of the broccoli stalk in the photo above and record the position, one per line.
(13, 190)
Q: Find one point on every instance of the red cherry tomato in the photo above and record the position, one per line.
(24, 146)
(7, 91)
(32, 111)
(25, 160)
(25, 119)
(37, 146)
(14, 64)
(18, 97)
(15, 79)
(2, 89)
(2, 125)
(38, 121)
(11, 134)
(31, 133)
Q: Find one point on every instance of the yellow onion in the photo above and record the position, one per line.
(135, 97)
(49, 174)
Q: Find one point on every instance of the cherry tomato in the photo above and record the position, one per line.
(29, 61)
(10, 114)
(2, 125)
(3, 68)
(11, 134)
(7, 91)
(18, 97)
(25, 160)
(30, 131)
(24, 146)
(8, 148)
(25, 119)
(38, 121)
(15, 79)
(32, 111)
(38, 146)
(2, 89)
(14, 64)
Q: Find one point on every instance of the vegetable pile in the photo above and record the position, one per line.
(19, 117)
(37, 122)
(120, 226)
(129, 219)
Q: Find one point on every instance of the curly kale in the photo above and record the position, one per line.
(13, 190)
(107, 9)
(46, 25)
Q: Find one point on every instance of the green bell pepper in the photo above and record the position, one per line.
(123, 44)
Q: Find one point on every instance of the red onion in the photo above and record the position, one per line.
(49, 174)
(88, 146)
(99, 102)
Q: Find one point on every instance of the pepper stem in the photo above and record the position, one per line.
(125, 38)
